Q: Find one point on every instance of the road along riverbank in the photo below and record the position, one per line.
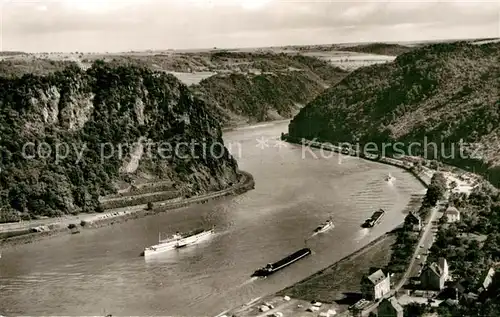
(78, 224)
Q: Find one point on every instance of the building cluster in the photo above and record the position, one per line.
(433, 278)
(435, 284)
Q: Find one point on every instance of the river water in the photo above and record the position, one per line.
(100, 271)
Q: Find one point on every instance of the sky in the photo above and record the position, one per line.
(123, 25)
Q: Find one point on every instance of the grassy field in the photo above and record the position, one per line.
(340, 283)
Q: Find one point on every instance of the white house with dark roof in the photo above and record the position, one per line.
(452, 214)
(376, 285)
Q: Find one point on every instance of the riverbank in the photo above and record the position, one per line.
(339, 282)
(423, 177)
(79, 224)
(252, 125)
(336, 286)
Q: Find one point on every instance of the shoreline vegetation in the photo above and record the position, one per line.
(111, 217)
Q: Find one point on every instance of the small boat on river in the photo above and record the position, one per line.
(374, 219)
(324, 227)
(389, 178)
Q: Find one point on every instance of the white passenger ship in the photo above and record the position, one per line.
(178, 241)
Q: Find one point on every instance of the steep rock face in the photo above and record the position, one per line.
(94, 119)
(444, 93)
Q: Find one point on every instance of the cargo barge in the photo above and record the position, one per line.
(374, 219)
(274, 267)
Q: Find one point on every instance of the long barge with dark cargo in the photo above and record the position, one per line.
(374, 219)
(276, 266)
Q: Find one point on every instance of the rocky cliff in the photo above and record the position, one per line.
(72, 136)
(447, 94)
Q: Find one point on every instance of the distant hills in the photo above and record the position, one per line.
(443, 93)
(379, 48)
(241, 88)
(273, 87)
(11, 53)
(39, 67)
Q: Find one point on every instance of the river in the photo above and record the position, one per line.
(100, 271)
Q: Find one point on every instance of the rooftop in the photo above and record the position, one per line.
(435, 268)
(452, 211)
(376, 277)
(394, 303)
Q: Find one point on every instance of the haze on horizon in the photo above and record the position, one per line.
(123, 25)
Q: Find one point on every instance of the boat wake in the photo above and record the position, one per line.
(246, 283)
(361, 234)
(249, 281)
(316, 234)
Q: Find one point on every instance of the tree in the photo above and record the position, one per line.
(150, 206)
(436, 189)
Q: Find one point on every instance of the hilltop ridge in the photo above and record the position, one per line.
(379, 48)
(442, 93)
(274, 88)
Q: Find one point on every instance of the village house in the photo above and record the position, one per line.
(376, 285)
(390, 308)
(434, 276)
(414, 220)
(452, 214)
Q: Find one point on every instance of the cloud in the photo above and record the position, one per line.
(135, 24)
